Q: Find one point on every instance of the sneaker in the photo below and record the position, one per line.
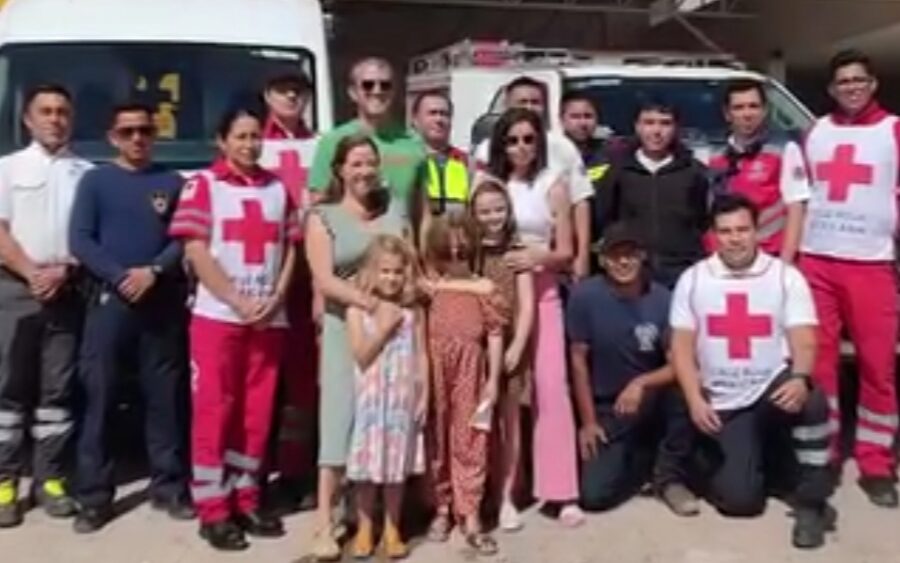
(881, 491)
(809, 528)
(325, 547)
(10, 511)
(53, 497)
(510, 519)
(91, 519)
(224, 536)
(680, 500)
(178, 507)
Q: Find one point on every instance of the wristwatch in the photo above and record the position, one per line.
(156, 269)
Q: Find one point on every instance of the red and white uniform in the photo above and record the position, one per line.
(741, 322)
(848, 257)
(772, 174)
(289, 156)
(248, 223)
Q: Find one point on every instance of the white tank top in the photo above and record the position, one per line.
(741, 344)
(531, 207)
(852, 213)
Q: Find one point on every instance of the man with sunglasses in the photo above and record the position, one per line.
(531, 94)
(135, 317)
(848, 254)
(372, 89)
(287, 97)
(41, 310)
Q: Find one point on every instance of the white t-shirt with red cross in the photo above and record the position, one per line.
(248, 222)
(852, 214)
(741, 321)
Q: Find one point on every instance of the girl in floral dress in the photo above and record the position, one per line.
(391, 391)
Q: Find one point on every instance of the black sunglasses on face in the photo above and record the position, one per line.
(526, 140)
(370, 85)
(128, 132)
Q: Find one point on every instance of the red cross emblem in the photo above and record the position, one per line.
(252, 231)
(738, 326)
(843, 172)
(292, 173)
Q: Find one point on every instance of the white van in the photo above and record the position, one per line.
(474, 74)
(189, 59)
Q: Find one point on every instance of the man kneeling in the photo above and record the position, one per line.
(633, 418)
(735, 316)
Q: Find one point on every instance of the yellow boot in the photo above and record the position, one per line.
(363, 542)
(394, 548)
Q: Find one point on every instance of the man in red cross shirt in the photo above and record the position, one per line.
(848, 257)
(287, 137)
(743, 345)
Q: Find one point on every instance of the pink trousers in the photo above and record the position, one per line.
(555, 455)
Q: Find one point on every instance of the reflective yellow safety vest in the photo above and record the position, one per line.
(452, 185)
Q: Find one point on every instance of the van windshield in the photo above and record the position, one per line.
(189, 85)
(698, 102)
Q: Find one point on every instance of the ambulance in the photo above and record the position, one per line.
(189, 59)
(474, 74)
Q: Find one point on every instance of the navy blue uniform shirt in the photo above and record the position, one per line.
(120, 220)
(626, 337)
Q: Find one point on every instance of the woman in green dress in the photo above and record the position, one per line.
(354, 210)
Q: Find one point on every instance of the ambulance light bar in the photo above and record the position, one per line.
(504, 54)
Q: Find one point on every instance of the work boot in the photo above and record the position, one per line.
(92, 519)
(364, 542)
(680, 500)
(53, 497)
(178, 507)
(10, 511)
(810, 525)
(881, 491)
(394, 547)
(260, 525)
(224, 536)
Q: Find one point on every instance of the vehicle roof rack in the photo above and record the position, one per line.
(503, 54)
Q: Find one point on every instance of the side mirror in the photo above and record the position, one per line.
(483, 128)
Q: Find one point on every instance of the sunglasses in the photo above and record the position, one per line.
(369, 86)
(128, 132)
(525, 140)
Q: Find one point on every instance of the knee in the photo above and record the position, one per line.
(599, 493)
(743, 502)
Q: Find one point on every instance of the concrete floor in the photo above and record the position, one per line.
(640, 532)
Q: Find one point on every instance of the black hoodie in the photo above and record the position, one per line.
(667, 208)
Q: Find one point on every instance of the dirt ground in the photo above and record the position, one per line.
(642, 531)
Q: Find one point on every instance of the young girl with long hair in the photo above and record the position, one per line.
(388, 347)
(465, 334)
(543, 213)
(490, 211)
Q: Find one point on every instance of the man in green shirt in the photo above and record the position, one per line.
(402, 153)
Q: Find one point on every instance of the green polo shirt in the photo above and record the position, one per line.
(402, 158)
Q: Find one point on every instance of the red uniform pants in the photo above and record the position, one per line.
(296, 453)
(864, 296)
(234, 375)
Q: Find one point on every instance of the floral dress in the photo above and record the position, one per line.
(385, 446)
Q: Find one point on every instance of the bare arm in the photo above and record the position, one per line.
(495, 363)
(287, 272)
(684, 364)
(524, 310)
(321, 264)
(802, 344)
(581, 383)
(365, 347)
(581, 213)
(559, 256)
(12, 255)
(423, 369)
(793, 230)
(658, 378)
(210, 273)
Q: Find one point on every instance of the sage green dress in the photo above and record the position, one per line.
(349, 240)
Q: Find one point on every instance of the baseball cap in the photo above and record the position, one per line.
(617, 234)
(289, 81)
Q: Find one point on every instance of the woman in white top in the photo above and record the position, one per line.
(542, 209)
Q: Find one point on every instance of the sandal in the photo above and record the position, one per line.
(482, 543)
(439, 530)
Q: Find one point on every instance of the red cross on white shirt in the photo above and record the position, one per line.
(843, 172)
(738, 326)
(252, 231)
